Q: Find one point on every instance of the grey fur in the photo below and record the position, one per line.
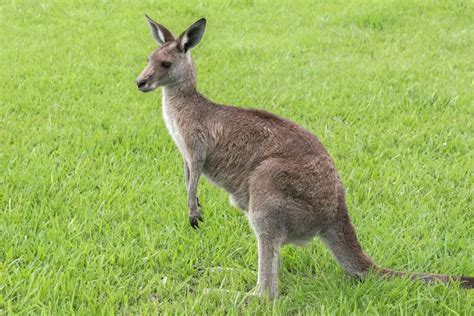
(277, 172)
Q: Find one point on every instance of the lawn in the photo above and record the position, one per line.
(93, 216)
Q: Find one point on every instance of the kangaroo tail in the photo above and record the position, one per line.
(466, 282)
(343, 243)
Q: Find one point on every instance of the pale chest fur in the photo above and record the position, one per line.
(173, 126)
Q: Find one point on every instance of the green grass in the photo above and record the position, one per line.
(93, 216)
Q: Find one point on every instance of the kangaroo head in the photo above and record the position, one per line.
(171, 63)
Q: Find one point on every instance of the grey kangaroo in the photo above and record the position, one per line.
(277, 172)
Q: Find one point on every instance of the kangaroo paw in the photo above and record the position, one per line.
(194, 218)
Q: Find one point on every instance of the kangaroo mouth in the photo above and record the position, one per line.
(145, 87)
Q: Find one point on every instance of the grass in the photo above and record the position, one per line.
(93, 215)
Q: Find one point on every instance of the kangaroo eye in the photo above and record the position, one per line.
(165, 64)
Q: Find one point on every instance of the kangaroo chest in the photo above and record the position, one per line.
(174, 128)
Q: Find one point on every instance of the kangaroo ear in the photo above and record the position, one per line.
(192, 36)
(159, 32)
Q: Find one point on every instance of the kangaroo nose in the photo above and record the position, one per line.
(141, 83)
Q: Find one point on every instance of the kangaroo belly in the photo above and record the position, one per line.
(229, 182)
(233, 183)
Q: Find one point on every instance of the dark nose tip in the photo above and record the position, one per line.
(141, 83)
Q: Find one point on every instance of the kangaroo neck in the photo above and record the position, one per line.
(179, 95)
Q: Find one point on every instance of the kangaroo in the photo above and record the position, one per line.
(277, 172)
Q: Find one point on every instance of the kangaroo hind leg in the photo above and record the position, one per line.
(269, 243)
